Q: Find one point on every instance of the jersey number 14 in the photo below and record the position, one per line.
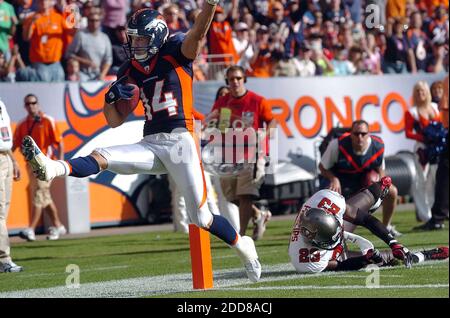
(160, 102)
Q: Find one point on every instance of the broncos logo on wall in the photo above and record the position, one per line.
(114, 198)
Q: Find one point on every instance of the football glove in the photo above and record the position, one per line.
(119, 90)
(374, 256)
(402, 253)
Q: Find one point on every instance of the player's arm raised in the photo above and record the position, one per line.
(192, 43)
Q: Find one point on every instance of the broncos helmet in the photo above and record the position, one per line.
(323, 229)
(150, 24)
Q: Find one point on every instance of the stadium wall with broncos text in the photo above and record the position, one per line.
(306, 109)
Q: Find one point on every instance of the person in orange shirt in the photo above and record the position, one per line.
(261, 63)
(396, 9)
(220, 40)
(43, 129)
(46, 31)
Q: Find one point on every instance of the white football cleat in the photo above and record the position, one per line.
(10, 267)
(56, 232)
(41, 165)
(28, 234)
(249, 257)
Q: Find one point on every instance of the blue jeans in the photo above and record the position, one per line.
(40, 72)
(395, 67)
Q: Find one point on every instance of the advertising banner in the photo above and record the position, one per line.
(305, 108)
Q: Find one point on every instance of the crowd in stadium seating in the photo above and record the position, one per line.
(53, 40)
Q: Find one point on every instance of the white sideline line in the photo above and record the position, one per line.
(338, 287)
(176, 283)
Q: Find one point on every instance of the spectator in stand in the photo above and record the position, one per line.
(428, 6)
(355, 57)
(261, 64)
(322, 62)
(220, 42)
(314, 28)
(330, 34)
(8, 22)
(304, 65)
(73, 70)
(345, 36)
(310, 15)
(336, 12)
(7, 72)
(118, 53)
(242, 44)
(114, 15)
(175, 19)
(438, 26)
(439, 61)
(396, 9)
(354, 8)
(417, 118)
(92, 49)
(398, 52)
(45, 30)
(437, 92)
(372, 59)
(23, 9)
(70, 11)
(341, 65)
(419, 41)
(282, 39)
(248, 19)
(294, 14)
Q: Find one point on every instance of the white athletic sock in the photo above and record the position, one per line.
(61, 168)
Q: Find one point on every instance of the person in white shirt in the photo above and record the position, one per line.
(9, 170)
(243, 44)
(305, 66)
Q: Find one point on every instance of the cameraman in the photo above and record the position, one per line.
(245, 106)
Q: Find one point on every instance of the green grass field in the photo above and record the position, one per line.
(157, 264)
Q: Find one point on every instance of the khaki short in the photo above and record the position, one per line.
(40, 191)
(248, 183)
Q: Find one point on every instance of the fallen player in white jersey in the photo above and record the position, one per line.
(318, 235)
(325, 251)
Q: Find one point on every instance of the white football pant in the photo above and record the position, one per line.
(173, 153)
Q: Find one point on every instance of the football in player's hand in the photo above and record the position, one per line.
(127, 106)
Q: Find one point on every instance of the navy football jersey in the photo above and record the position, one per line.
(165, 85)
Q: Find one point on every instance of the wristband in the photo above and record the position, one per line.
(213, 2)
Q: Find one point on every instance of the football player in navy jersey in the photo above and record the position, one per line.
(162, 69)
